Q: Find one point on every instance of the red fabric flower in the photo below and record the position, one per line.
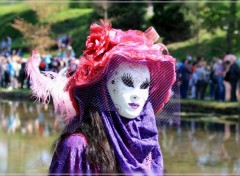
(98, 41)
(103, 42)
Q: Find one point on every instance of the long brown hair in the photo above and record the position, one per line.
(99, 152)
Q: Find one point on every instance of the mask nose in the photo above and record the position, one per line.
(134, 98)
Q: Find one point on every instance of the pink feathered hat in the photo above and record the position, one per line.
(105, 42)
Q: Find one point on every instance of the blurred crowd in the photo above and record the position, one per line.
(12, 63)
(218, 80)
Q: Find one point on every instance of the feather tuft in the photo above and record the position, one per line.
(49, 84)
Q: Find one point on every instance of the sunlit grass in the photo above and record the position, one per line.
(13, 8)
(25, 91)
(207, 45)
(66, 14)
(211, 103)
(70, 21)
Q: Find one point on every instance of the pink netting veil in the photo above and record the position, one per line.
(106, 49)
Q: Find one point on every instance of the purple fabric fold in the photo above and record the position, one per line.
(70, 157)
(135, 142)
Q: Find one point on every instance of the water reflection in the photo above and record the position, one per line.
(28, 118)
(28, 130)
(201, 147)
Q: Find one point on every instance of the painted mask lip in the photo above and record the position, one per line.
(134, 105)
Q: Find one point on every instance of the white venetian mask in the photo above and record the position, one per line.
(129, 88)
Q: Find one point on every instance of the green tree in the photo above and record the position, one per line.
(170, 21)
(232, 23)
(124, 15)
(223, 16)
(213, 16)
(101, 8)
(193, 14)
(36, 36)
(78, 4)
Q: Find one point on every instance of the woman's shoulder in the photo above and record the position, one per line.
(74, 140)
(69, 154)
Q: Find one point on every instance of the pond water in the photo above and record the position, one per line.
(199, 146)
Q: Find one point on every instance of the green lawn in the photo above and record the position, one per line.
(21, 91)
(76, 22)
(209, 45)
(63, 21)
(210, 103)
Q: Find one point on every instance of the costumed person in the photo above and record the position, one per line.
(123, 79)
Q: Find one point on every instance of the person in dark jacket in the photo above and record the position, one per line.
(184, 76)
(233, 75)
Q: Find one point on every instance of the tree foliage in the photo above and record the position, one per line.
(232, 23)
(213, 15)
(36, 36)
(78, 4)
(170, 22)
(223, 16)
(174, 21)
(125, 14)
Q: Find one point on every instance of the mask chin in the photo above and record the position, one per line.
(129, 115)
(128, 87)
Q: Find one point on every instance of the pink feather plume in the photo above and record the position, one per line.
(49, 84)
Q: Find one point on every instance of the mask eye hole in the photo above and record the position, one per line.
(127, 80)
(145, 85)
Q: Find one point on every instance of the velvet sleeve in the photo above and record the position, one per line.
(70, 156)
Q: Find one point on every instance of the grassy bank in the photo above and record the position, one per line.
(76, 21)
(210, 106)
(15, 94)
(189, 105)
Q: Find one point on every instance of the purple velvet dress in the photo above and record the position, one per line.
(70, 157)
(135, 143)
